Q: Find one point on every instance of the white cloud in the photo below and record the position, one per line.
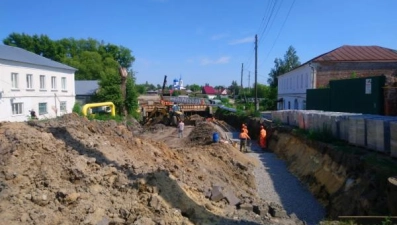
(220, 60)
(218, 36)
(242, 41)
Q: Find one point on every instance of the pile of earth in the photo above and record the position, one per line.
(202, 134)
(71, 170)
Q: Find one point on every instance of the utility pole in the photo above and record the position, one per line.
(241, 82)
(256, 73)
(249, 82)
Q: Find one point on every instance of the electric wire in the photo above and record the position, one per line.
(278, 35)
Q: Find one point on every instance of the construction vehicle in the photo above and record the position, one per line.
(170, 110)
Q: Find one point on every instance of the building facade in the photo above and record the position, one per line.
(32, 82)
(292, 87)
(344, 62)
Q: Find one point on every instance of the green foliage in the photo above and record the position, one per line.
(282, 66)
(110, 91)
(131, 98)
(92, 58)
(77, 108)
(176, 93)
(141, 88)
(270, 102)
(353, 75)
(105, 117)
(234, 88)
(324, 134)
(195, 87)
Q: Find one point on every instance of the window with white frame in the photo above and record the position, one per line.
(42, 82)
(29, 81)
(63, 106)
(17, 108)
(42, 108)
(63, 83)
(14, 80)
(53, 83)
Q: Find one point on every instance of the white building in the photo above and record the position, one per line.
(292, 87)
(32, 82)
(178, 84)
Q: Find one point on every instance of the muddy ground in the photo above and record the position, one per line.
(74, 171)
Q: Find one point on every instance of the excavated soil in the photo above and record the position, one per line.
(74, 171)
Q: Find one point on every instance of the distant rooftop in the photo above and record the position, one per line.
(351, 53)
(86, 87)
(16, 54)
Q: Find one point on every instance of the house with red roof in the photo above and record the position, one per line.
(209, 91)
(340, 63)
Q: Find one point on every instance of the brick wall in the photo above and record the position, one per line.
(336, 71)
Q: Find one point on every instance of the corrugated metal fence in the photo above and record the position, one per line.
(359, 95)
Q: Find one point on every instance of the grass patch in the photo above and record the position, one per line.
(323, 135)
(105, 117)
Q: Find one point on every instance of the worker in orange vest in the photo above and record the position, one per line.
(262, 137)
(244, 127)
(243, 140)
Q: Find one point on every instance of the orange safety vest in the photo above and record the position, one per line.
(244, 135)
(262, 133)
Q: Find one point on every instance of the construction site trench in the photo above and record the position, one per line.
(71, 170)
(347, 180)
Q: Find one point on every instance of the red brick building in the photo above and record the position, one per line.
(355, 61)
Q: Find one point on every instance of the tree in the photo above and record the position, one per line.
(91, 58)
(282, 66)
(141, 88)
(110, 91)
(195, 87)
(131, 102)
(234, 88)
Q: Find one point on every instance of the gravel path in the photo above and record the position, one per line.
(276, 184)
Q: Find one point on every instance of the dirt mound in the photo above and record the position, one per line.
(74, 171)
(202, 133)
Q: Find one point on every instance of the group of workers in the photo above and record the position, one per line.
(244, 137)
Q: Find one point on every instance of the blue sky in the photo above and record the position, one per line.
(205, 41)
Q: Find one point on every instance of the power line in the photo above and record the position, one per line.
(269, 21)
(278, 35)
(268, 9)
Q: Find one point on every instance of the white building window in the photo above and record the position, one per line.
(53, 83)
(29, 81)
(14, 80)
(42, 108)
(42, 81)
(17, 108)
(63, 83)
(63, 106)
